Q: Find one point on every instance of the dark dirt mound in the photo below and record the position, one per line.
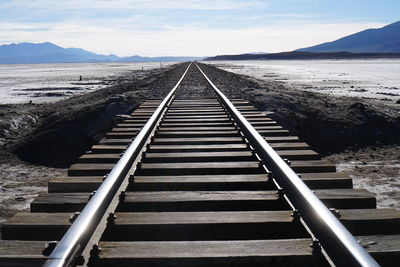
(56, 134)
(329, 124)
(194, 85)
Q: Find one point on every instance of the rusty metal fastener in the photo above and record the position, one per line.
(281, 193)
(335, 212)
(295, 215)
(79, 260)
(92, 194)
(73, 217)
(111, 218)
(122, 196)
(95, 251)
(316, 246)
(50, 246)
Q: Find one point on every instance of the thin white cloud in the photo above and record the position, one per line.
(192, 40)
(142, 32)
(135, 4)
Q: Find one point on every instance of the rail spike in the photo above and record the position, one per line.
(78, 235)
(340, 245)
(328, 235)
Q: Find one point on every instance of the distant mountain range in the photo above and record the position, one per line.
(306, 55)
(382, 40)
(51, 53)
(372, 43)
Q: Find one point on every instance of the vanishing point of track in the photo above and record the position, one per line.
(196, 179)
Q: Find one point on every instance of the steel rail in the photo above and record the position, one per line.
(80, 232)
(340, 245)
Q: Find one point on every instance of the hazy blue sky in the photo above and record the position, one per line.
(189, 27)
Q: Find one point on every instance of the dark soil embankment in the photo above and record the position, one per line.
(57, 134)
(329, 124)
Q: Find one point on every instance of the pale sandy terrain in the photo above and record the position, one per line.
(375, 79)
(39, 83)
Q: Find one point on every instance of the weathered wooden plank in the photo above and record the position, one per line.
(289, 146)
(299, 154)
(215, 156)
(296, 252)
(371, 221)
(74, 184)
(198, 148)
(268, 127)
(124, 142)
(198, 104)
(201, 168)
(194, 100)
(90, 169)
(250, 108)
(329, 180)
(168, 201)
(123, 129)
(202, 178)
(312, 166)
(254, 115)
(243, 225)
(273, 132)
(21, 253)
(199, 156)
(112, 148)
(258, 119)
(198, 140)
(143, 122)
(99, 158)
(198, 124)
(197, 113)
(129, 125)
(202, 110)
(203, 200)
(347, 198)
(208, 116)
(384, 248)
(197, 128)
(197, 133)
(122, 135)
(51, 226)
(298, 166)
(201, 183)
(216, 120)
(35, 226)
(281, 139)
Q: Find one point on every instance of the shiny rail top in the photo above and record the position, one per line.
(80, 232)
(340, 245)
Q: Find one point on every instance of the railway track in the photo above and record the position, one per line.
(196, 179)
